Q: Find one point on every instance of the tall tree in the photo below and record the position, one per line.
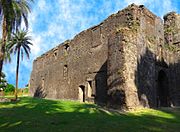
(20, 44)
(12, 13)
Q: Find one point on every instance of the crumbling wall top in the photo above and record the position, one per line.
(119, 13)
(171, 15)
(59, 47)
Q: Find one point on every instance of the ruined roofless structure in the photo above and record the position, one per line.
(129, 60)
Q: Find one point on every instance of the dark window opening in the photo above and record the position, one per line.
(66, 47)
(55, 54)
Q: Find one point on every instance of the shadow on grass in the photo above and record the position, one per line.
(32, 114)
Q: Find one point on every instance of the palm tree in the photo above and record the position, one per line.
(20, 44)
(7, 54)
(12, 13)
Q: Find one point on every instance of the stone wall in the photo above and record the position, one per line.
(140, 40)
(80, 62)
(172, 48)
(124, 62)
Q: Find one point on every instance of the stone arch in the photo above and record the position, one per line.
(162, 89)
(81, 94)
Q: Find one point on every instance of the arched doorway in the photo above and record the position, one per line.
(82, 93)
(89, 89)
(162, 89)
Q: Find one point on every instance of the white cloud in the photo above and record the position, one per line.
(35, 48)
(42, 5)
(137, 1)
(167, 6)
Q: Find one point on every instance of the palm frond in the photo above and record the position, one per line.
(26, 51)
(21, 40)
(14, 12)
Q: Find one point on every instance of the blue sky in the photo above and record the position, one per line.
(54, 21)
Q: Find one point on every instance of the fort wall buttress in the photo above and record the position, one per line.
(132, 69)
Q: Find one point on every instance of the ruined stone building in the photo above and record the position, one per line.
(131, 59)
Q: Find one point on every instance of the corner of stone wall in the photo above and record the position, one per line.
(122, 91)
(116, 67)
(130, 54)
(122, 64)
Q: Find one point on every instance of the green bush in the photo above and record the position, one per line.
(9, 88)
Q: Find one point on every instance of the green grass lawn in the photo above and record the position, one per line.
(36, 115)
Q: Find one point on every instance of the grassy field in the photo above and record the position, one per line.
(36, 115)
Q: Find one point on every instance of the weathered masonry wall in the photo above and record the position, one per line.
(134, 76)
(129, 60)
(172, 47)
(150, 37)
(77, 64)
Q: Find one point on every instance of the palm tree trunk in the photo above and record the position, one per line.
(1, 66)
(17, 74)
(2, 47)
